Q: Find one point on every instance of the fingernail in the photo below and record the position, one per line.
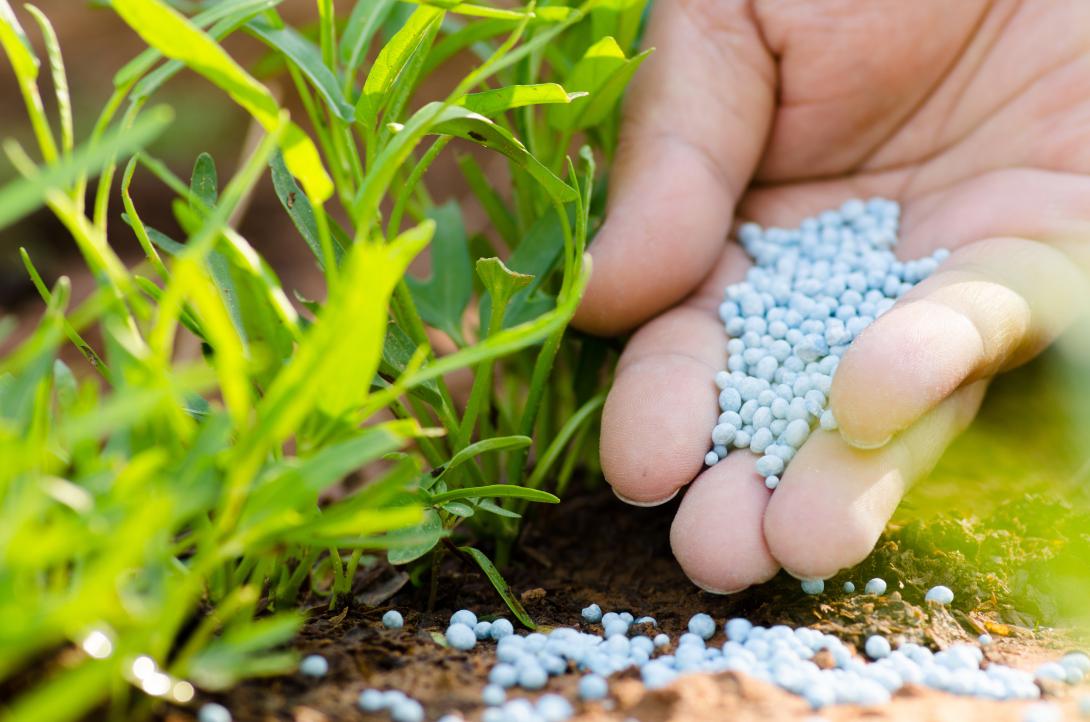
(864, 445)
(808, 577)
(720, 592)
(634, 502)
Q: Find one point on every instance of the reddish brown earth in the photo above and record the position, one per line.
(595, 549)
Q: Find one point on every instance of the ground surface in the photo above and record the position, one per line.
(596, 549)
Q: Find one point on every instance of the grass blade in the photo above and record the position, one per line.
(60, 77)
(417, 33)
(496, 491)
(301, 212)
(233, 13)
(367, 16)
(500, 585)
(175, 37)
(493, 102)
(22, 196)
(308, 59)
(498, 443)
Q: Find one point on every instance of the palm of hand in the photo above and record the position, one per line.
(973, 115)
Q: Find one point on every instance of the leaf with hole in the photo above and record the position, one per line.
(479, 129)
(301, 212)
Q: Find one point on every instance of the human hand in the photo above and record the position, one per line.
(975, 116)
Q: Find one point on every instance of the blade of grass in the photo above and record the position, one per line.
(177, 38)
(500, 585)
(309, 60)
(496, 443)
(367, 16)
(60, 77)
(495, 491)
(25, 64)
(22, 196)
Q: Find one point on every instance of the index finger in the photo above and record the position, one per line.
(694, 127)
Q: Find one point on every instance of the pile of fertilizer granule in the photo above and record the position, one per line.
(811, 291)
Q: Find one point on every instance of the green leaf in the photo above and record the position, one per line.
(204, 184)
(338, 524)
(442, 298)
(583, 414)
(301, 212)
(367, 16)
(64, 382)
(492, 102)
(500, 584)
(24, 195)
(396, 354)
(223, 17)
(308, 59)
(430, 531)
(244, 650)
(536, 256)
(15, 43)
(415, 36)
(285, 504)
(262, 315)
(495, 491)
(176, 37)
(457, 508)
(330, 369)
(497, 443)
(619, 18)
(500, 281)
(602, 72)
(493, 508)
(60, 77)
(479, 129)
(474, 9)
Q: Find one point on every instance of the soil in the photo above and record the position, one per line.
(595, 549)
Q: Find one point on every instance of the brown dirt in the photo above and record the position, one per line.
(595, 549)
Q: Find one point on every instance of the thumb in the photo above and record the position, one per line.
(695, 122)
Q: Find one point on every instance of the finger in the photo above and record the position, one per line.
(834, 500)
(717, 536)
(663, 405)
(993, 305)
(694, 125)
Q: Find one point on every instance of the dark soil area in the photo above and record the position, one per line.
(595, 549)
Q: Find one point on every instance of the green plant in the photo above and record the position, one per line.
(167, 507)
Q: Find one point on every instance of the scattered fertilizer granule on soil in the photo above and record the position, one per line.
(811, 292)
(779, 655)
(313, 665)
(393, 619)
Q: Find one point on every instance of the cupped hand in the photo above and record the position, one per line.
(975, 116)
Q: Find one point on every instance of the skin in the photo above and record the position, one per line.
(975, 116)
